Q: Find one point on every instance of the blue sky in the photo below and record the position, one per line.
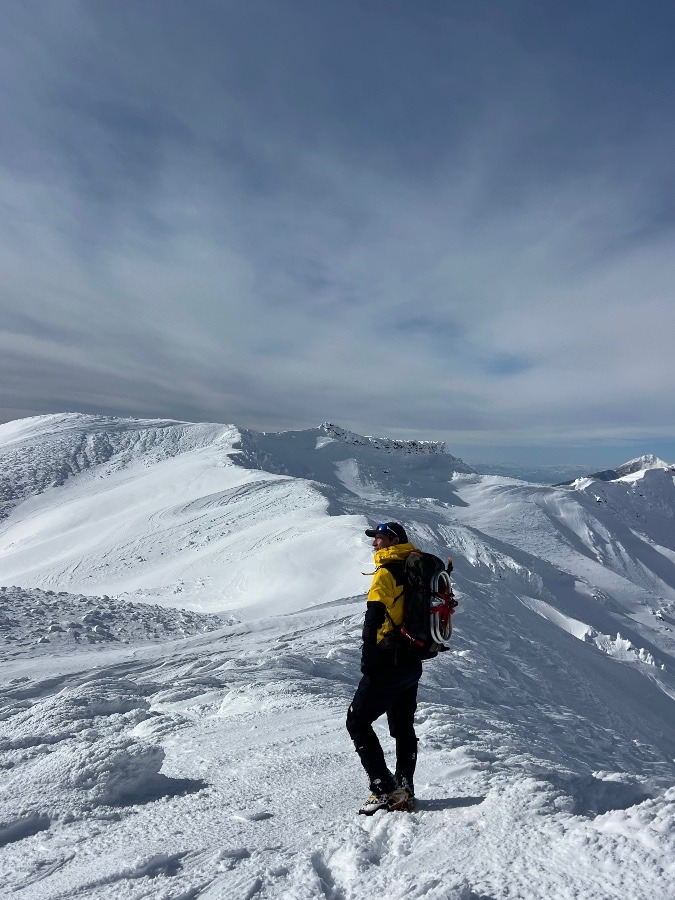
(443, 220)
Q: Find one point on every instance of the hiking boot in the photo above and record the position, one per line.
(405, 783)
(403, 796)
(379, 798)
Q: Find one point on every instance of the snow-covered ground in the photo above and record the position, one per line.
(154, 751)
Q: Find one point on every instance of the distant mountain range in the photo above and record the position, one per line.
(537, 474)
(561, 475)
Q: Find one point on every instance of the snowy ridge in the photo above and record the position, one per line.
(177, 508)
(215, 764)
(172, 512)
(44, 451)
(389, 445)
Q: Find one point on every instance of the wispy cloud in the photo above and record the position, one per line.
(431, 220)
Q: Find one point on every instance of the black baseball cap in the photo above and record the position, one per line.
(391, 529)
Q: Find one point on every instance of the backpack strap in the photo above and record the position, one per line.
(396, 567)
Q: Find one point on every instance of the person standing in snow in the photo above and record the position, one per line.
(391, 673)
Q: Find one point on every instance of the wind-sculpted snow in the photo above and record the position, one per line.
(149, 751)
(43, 452)
(218, 766)
(35, 622)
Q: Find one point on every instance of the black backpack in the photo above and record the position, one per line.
(428, 603)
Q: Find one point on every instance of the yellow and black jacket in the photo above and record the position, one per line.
(384, 610)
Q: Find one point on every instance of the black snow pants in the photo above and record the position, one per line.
(394, 692)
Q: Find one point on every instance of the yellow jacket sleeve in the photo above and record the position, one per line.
(386, 591)
(383, 588)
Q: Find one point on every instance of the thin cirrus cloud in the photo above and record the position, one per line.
(448, 220)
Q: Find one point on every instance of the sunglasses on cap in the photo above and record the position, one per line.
(390, 529)
(383, 528)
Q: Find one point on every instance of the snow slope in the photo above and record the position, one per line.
(161, 509)
(175, 755)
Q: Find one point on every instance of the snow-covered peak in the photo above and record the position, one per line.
(642, 464)
(338, 459)
(428, 448)
(633, 468)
